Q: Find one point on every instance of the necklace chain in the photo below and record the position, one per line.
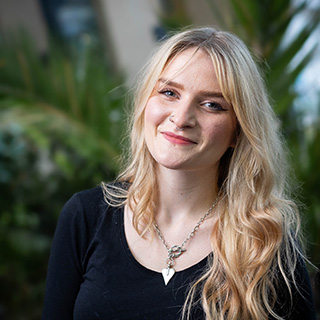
(176, 251)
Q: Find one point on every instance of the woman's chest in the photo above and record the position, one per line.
(115, 286)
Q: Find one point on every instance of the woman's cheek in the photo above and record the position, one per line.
(223, 132)
(155, 111)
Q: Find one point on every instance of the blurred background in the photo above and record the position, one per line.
(66, 69)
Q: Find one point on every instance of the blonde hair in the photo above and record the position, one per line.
(254, 237)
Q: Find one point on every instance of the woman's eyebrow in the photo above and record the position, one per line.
(209, 94)
(171, 83)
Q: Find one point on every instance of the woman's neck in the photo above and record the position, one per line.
(184, 194)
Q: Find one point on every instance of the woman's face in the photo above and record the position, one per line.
(187, 96)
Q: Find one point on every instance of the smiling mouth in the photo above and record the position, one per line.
(177, 139)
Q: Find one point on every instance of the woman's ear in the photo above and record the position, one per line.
(233, 142)
(235, 135)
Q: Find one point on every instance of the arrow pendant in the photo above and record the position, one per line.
(167, 274)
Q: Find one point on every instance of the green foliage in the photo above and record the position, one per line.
(61, 121)
(74, 87)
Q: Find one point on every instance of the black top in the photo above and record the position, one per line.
(93, 275)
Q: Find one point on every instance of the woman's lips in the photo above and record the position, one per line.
(177, 139)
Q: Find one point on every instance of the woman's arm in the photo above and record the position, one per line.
(302, 305)
(65, 267)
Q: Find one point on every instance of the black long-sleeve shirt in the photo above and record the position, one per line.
(93, 275)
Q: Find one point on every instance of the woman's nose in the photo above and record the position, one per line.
(183, 115)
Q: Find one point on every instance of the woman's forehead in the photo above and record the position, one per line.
(191, 69)
(191, 58)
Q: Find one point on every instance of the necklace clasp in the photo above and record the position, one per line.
(175, 251)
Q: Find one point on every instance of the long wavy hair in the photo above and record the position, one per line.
(254, 238)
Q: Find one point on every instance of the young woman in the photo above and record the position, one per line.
(199, 224)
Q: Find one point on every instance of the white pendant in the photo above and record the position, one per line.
(167, 274)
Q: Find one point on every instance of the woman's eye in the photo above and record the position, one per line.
(213, 106)
(168, 93)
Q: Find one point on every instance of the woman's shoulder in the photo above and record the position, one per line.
(89, 198)
(85, 201)
(86, 208)
(94, 199)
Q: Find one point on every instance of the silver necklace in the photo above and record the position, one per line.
(176, 251)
